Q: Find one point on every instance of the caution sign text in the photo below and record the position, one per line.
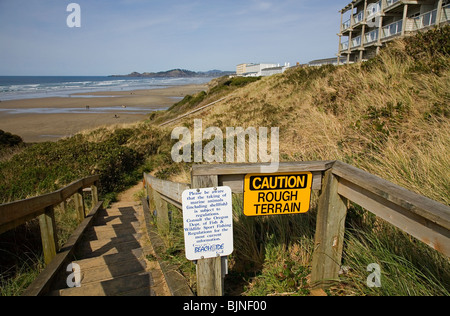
(277, 194)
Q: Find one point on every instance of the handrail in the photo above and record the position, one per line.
(18, 213)
(424, 20)
(170, 191)
(419, 216)
(392, 29)
(46, 279)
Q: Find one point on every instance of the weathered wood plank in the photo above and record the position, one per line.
(79, 205)
(419, 227)
(329, 237)
(424, 207)
(162, 213)
(43, 282)
(209, 277)
(48, 234)
(94, 192)
(209, 271)
(240, 169)
(17, 213)
(168, 189)
(236, 181)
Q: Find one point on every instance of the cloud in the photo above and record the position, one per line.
(262, 5)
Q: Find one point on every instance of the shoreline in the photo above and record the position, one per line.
(114, 107)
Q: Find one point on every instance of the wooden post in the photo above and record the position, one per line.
(94, 192)
(79, 205)
(151, 199)
(48, 234)
(210, 276)
(329, 238)
(162, 216)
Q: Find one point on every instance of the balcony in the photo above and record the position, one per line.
(392, 29)
(356, 42)
(346, 24)
(358, 17)
(390, 3)
(344, 46)
(445, 13)
(425, 20)
(371, 37)
(354, 20)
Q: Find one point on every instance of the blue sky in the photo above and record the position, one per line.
(121, 36)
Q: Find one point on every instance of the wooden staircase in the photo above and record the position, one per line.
(113, 256)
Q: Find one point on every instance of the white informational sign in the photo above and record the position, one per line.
(208, 223)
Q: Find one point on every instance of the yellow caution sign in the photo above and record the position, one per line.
(277, 194)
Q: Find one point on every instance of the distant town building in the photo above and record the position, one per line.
(327, 61)
(258, 70)
(366, 25)
(241, 69)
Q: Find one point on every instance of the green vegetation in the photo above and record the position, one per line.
(9, 140)
(9, 144)
(218, 88)
(389, 116)
(45, 167)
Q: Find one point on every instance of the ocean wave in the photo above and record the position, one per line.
(13, 88)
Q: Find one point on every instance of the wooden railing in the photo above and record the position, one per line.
(18, 213)
(421, 217)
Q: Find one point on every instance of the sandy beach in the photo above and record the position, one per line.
(50, 119)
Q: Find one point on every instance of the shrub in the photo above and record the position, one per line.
(9, 140)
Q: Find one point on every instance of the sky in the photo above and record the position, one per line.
(122, 36)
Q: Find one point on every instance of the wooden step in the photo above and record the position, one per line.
(136, 254)
(115, 213)
(110, 271)
(135, 284)
(103, 232)
(93, 245)
(119, 211)
(108, 249)
(116, 221)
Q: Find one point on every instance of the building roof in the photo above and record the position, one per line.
(327, 60)
(274, 68)
(349, 6)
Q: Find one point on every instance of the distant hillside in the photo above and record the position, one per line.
(177, 73)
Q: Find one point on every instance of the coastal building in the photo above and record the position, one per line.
(366, 25)
(327, 61)
(241, 69)
(258, 70)
(274, 70)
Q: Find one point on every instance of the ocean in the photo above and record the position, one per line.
(30, 87)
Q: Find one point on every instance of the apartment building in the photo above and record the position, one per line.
(241, 69)
(366, 25)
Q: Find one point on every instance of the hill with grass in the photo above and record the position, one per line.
(177, 73)
(389, 116)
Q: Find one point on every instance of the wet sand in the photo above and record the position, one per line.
(105, 108)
